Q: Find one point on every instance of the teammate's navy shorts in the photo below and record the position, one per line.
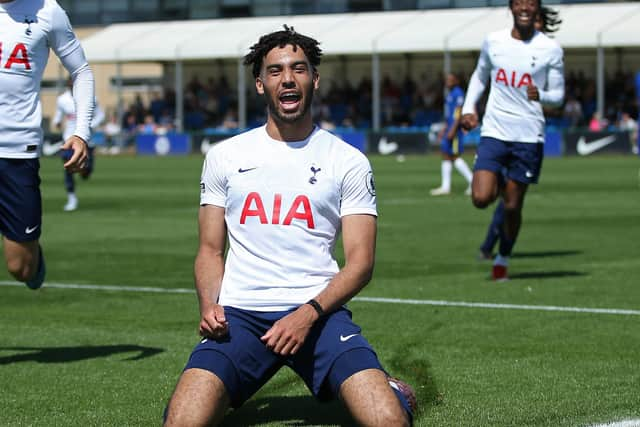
(520, 161)
(332, 352)
(20, 200)
(452, 147)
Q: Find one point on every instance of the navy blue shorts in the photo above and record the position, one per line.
(20, 200)
(332, 352)
(519, 161)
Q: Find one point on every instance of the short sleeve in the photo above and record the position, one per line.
(358, 188)
(213, 182)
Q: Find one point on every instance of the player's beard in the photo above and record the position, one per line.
(281, 116)
(525, 30)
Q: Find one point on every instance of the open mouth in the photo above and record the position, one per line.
(524, 18)
(289, 100)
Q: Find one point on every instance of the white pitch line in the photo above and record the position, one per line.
(502, 306)
(106, 288)
(123, 288)
(625, 423)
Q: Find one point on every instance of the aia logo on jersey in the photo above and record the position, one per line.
(513, 79)
(18, 57)
(300, 210)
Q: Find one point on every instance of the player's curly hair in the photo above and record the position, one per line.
(550, 20)
(282, 38)
(511, 4)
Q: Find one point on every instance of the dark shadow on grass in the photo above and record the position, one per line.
(546, 274)
(308, 411)
(74, 354)
(289, 411)
(545, 254)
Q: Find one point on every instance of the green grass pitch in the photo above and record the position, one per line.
(83, 357)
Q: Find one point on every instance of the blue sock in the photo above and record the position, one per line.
(69, 183)
(495, 229)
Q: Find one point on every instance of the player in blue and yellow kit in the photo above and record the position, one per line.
(451, 139)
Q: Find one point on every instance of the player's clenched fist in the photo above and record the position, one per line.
(213, 323)
(469, 121)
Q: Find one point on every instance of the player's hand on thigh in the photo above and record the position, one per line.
(287, 335)
(213, 323)
(80, 156)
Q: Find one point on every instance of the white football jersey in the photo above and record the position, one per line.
(283, 207)
(28, 29)
(512, 65)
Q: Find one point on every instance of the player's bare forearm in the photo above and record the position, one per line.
(287, 335)
(359, 240)
(209, 270)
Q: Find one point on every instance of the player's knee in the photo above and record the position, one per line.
(20, 269)
(177, 415)
(392, 415)
(479, 200)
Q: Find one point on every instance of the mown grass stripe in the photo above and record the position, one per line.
(116, 288)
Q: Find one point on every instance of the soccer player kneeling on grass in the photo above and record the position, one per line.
(280, 194)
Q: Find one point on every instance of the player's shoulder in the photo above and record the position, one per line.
(235, 143)
(334, 141)
(543, 40)
(498, 36)
(50, 7)
(337, 148)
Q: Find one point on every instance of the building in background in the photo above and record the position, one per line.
(103, 12)
(411, 90)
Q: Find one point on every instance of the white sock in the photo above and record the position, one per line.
(501, 260)
(464, 170)
(445, 171)
(72, 197)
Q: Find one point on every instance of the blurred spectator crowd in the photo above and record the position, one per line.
(212, 106)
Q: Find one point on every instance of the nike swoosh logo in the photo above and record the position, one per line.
(585, 148)
(347, 338)
(30, 230)
(240, 170)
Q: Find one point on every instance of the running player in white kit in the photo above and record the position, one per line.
(28, 29)
(548, 21)
(525, 68)
(280, 194)
(66, 112)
